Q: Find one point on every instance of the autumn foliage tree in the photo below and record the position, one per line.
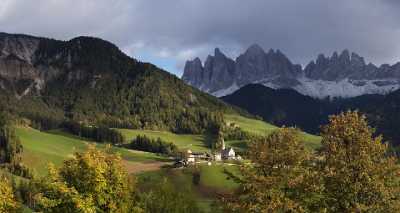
(274, 180)
(93, 181)
(7, 199)
(351, 172)
(356, 172)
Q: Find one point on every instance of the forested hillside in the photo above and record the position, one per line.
(90, 80)
(286, 107)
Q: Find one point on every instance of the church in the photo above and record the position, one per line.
(225, 153)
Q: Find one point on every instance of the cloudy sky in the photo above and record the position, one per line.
(168, 32)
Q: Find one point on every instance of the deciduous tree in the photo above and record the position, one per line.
(357, 174)
(7, 200)
(274, 180)
(93, 181)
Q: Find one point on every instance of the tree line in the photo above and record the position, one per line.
(147, 144)
(11, 149)
(100, 134)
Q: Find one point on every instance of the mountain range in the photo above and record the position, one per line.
(90, 80)
(342, 75)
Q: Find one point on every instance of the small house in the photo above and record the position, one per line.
(190, 158)
(217, 156)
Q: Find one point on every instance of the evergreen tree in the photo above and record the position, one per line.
(10, 146)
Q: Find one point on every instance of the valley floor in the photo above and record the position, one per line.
(41, 148)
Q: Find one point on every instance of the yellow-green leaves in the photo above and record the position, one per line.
(274, 180)
(7, 201)
(352, 172)
(89, 182)
(356, 172)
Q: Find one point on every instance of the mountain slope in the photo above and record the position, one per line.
(340, 75)
(282, 107)
(90, 80)
(288, 107)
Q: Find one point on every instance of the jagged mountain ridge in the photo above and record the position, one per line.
(341, 75)
(90, 80)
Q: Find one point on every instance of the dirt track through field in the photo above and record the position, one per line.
(137, 167)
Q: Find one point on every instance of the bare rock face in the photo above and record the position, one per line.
(193, 72)
(218, 72)
(28, 63)
(17, 55)
(340, 75)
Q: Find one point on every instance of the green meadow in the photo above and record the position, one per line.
(213, 181)
(55, 146)
(194, 142)
(41, 148)
(260, 127)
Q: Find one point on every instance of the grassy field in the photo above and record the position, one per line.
(213, 181)
(262, 128)
(196, 143)
(55, 146)
(215, 177)
(41, 148)
(254, 126)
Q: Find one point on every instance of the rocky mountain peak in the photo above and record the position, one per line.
(343, 74)
(19, 46)
(356, 60)
(218, 53)
(255, 49)
(345, 57)
(193, 72)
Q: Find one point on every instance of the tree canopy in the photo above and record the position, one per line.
(7, 199)
(356, 172)
(352, 172)
(93, 181)
(273, 181)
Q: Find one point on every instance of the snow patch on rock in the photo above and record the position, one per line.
(321, 89)
(226, 91)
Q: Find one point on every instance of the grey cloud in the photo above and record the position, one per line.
(189, 28)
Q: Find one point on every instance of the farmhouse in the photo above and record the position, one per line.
(192, 157)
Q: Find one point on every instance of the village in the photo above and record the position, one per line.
(222, 154)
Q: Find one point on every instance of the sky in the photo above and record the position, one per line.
(169, 32)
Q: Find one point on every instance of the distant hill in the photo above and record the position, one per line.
(90, 80)
(290, 108)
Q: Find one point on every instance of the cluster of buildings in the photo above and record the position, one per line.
(223, 154)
